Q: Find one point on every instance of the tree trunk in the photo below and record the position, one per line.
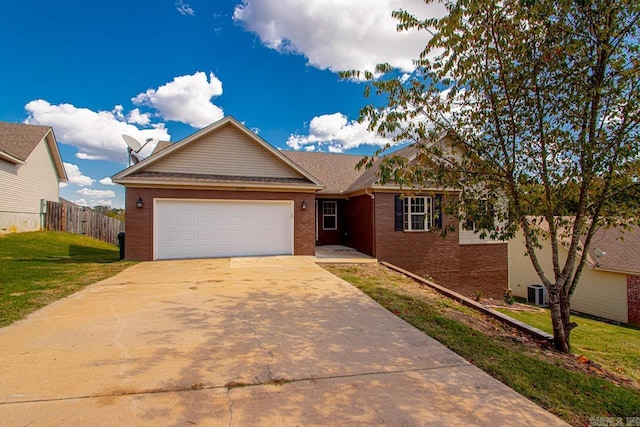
(559, 308)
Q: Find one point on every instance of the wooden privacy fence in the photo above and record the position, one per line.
(80, 220)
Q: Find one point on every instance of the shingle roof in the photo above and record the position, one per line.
(622, 248)
(336, 171)
(19, 140)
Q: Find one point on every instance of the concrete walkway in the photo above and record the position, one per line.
(252, 341)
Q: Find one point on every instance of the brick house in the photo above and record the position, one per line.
(224, 191)
(609, 286)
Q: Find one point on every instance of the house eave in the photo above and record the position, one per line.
(395, 188)
(11, 159)
(611, 270)
(219, 185)
(57, 158)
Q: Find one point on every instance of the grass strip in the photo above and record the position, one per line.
(37, 268)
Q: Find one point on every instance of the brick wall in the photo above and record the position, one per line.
(462, 268)
(633, 300)
(139, 222)
(359, 224)
(484, 268)
(422, 253)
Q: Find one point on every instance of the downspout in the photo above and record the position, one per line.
(373, 221)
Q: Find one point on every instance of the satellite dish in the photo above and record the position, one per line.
(134, 144)
(598, 254)
(134, 148)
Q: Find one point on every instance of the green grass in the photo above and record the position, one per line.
(614, 347)
(37, 268)
(572, 395)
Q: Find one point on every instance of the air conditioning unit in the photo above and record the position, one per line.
(537, 294)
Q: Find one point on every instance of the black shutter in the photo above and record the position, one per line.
(399, 213)
(437, 211)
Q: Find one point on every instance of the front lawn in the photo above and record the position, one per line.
(37, 268)
(555, 381)
(615, 347)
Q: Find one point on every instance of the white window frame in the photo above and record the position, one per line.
(470, 224)
(334, 214)
(408, 204)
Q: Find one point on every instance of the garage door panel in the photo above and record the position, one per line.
(200, 229)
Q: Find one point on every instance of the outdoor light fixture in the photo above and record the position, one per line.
(304, 204)
(139, 203)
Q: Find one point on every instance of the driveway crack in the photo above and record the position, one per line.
(230, 406)
(262, 347)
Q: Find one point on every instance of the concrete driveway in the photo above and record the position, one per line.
(235, 342)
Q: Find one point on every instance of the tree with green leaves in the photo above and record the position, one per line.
(541, 102)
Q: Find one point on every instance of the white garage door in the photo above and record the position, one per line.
(222, 228)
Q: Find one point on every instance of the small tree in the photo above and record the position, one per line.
(540, 101)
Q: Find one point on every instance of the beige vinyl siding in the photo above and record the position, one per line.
(469, 237)
(599, 293)
(22, 188)
(225, 152)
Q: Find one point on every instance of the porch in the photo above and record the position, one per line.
(339, 254)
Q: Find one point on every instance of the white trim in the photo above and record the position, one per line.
(407, 214)
(334, 215)
(178, 199)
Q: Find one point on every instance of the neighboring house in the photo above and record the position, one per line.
(224, 191)
(31, 170)
(609, 285)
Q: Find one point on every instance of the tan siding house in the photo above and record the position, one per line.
(30, 171)
(607, 287)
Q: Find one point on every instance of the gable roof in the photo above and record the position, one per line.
(18, 140)
(162, 168)
(621, 248)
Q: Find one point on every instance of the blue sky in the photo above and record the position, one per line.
(164, 69)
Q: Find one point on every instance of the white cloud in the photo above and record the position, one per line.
(186, 99)
(135, 116)
(339, 35)
(337, 133)
(75, 176)
(106, 181)
(184, 8)
(117, 112)
(94, 194)
(92, 203)
(96, 135)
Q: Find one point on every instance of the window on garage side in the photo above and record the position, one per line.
(417, 213)
(330, 215)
